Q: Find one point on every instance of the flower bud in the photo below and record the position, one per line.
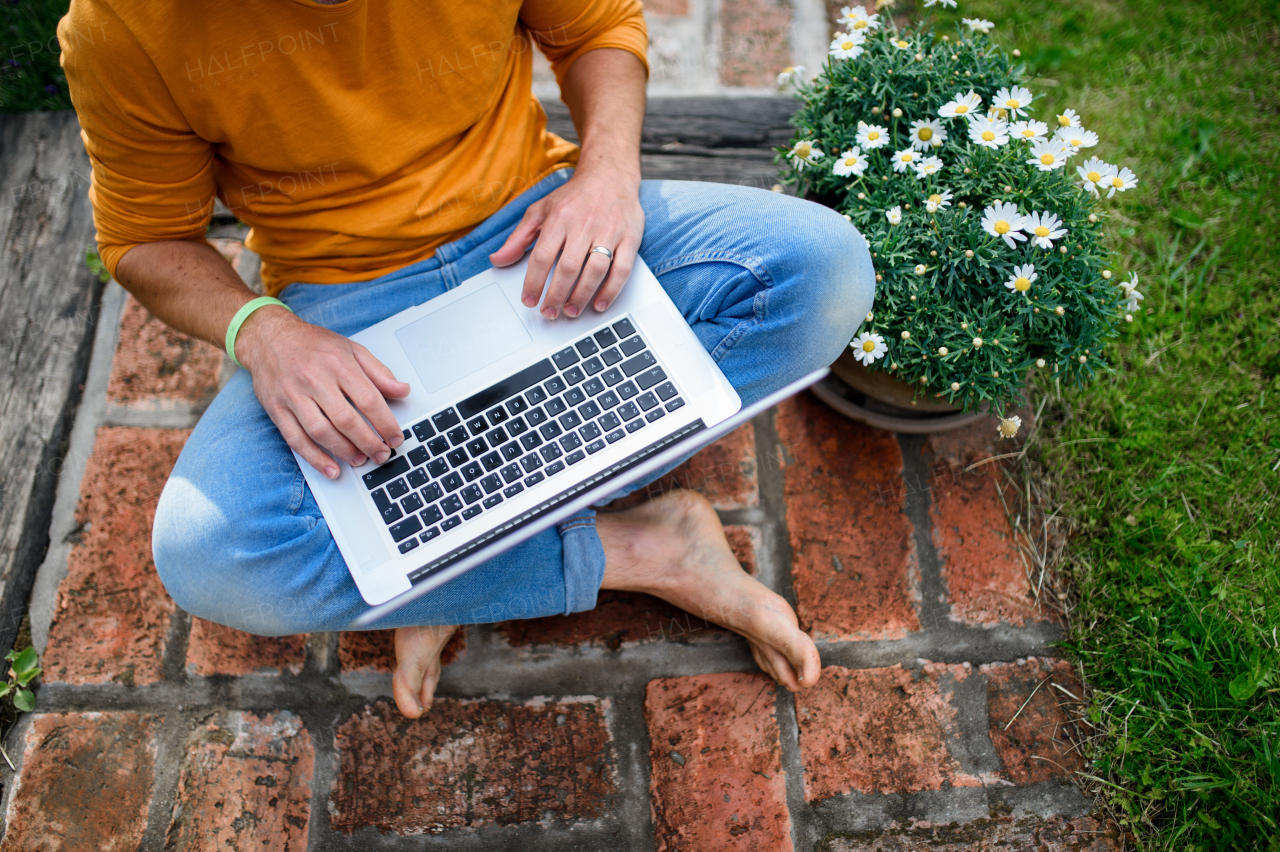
(920, 269)
(968, 252)
(1082, 359)
(942, 350)
(870, 316)
(955, 386)
(1093, 217)
(977, 343)
(1040, 362)
(1106, 274)
(1060, 310)
(906, 335)
(897, 113)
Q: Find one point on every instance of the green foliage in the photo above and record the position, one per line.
(944, 277)
(24, 667)
(94, 262)
(31, 79)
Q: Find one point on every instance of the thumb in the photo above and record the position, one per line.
(381, 376)
(521, 238)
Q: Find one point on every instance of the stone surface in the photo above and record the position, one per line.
(155, 364)
(472, 763)
(754, 42)
(723, 472)
(880, 731)
(374, 651)
(86, 783)
(1084, 834)
(853, 560)
(245, 783)
(667, 8)
(112, 615)
(214, 649)
(1034, 738)
(716, 764)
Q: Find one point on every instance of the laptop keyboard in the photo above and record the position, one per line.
(519, 433)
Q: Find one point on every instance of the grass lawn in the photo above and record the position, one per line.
(1168, 467)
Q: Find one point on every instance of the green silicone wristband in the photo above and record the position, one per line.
(243, 314)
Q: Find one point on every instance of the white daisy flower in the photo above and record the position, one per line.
(1122, 180)
(901, 44)
(1043, 229)
(1015, 99)
(977, 25)
(927, 134)
(1030, 130)
(905, 159)
(938, 201)
(1020, 281)
(894, 215)
(856, 18)
(988, 132)
(1131, 293)
(1095, 174)
(1003, 220)
(1068, 119)
(851, 162)
(1048, 154)
(872, 136)
(790, 74)
(847, 45)
(928, 167)
(805, 153)
(1009, 426)
(1076, 138)
(951, 3)
(869, 347)
(961, 106)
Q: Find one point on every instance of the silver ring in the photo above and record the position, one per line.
(602, 250)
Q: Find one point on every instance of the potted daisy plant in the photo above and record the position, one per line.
(984, 220)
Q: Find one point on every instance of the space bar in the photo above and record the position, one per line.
(494, 394)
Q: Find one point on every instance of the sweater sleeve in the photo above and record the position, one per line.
(566, 29)
(152, 175)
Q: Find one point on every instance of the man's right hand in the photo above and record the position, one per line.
(314, 384)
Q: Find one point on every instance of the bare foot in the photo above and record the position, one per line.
(418, 666)
(675, 548)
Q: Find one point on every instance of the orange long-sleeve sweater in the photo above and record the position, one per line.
(354, 138)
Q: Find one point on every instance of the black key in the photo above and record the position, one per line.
(605, 337)
(555, 385)
(635, 424)
(586, 347)
(423, 430)
(612, 377)
(396, 489)
(647, 401)
(607, 400)
(610, 421)
(595, 446)
(589, 432)
(575, 457)
(458, 436)
(491, 461)
(477, 425)
(674, 404)
(471, 494)
(534, 479)
(632, 346)
(439, 445)
(555, 406)
(551, 452)
(451, 504)
(450, 523)
(438, 467)
(650, 377)
(419, 455)
(530, 463)
(629, 411)
(458, 457)
(517, 427)
(490, 502)
(593, 386)
(472, 471)
(531, 440)
(491, 483)
(626, 390)
(497, 415)
(381, 500)
(511, 451)
(452, 481)
(614, 436)
(406, 528)
(517, 405)
(611, 356)
(404, 433)
(591, 366)
(554, 468)
(382, 475)
(570, 420)
(538, 415)
(510, 473)
(470, 512)
(406, 546)
(655, 414)
(510, 386)
(429, 534)
(624, 328)
(574, 396)
(513, 490)
(417, 478)
(565, 358)
(496, 437)
(573, 375)
(391, 515)
(665, 391)
(477, 447)
(412, 503)
(570, 442)
(431, 515)
(549, 430)
(589, 411)
(643, 361)
(535, 395)
(432, 493)
(445, 419)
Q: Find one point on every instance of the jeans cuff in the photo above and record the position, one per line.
(583, 561)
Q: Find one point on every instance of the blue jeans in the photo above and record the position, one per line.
(773, 286)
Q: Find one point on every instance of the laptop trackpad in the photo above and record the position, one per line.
(463, 338)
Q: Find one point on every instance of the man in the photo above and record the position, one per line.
(384, 152)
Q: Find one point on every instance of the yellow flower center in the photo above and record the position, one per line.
(1013, 103)
(1042, 231)
(859, 25)
(961, 109)
(1076, 143)
(852, 161)
(1002, 227)
(1094, 177)
(803, 150)
(935, 198)
(1028, 132)
(868, 346)
(1064, 121)
(1116, 182)
(1022, 284)
(924, 134)
(846, 45)
(906, 158)
(873, 135)
(903, 45)
(1047, 159)
(988, 136)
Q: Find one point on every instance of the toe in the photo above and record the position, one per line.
(427, 694)
(405, 691)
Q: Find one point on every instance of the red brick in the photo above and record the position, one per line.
(724, 473)
(667, 8)
(472, 763)
(374, 651)
(717, 779)
(853, 559)
(215, 649)
(112, 617)
(244, 783)
(1033, 739)
(86, 783)
(755, 42)
(879, 731)
(154, 363)
(1058, 834)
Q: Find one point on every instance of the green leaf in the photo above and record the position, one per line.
(26, 661)
(1186, 219)
(25, 700)
(5, 688)
(1243, 687)
(29, 675)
